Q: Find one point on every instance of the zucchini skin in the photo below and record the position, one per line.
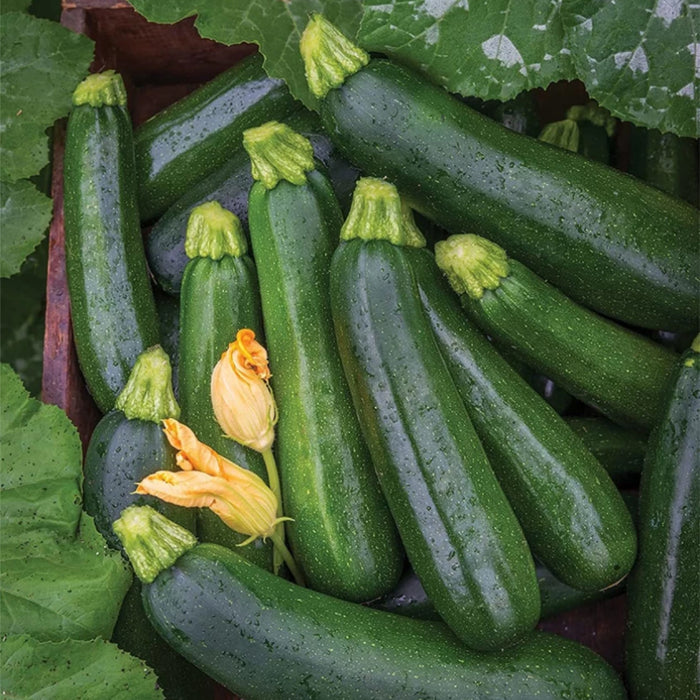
(341, 531)
(440, 488)
(112, 308)
(573, 517)
(663, 637)
(281, 641)
(189, 139)
(607, 240)
(219, 297)
(621, 373)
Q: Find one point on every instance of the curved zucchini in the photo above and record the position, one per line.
(219, 297)
(341, 531)
(605, 239)
(282, 641)
(572, 515)
(179, 146)
(112, 308)
(452, 515)
(663, 636)
(619, 372)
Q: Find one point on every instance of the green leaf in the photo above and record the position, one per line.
(14, 6)
(639, 59)
(25, 214)
(73, 670)
(275, 25)
(41, 62)
(491, 50)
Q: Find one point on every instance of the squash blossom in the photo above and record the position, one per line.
(241, 397)
(207, 480)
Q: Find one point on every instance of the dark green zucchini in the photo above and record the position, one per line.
(452, 515)
(277, 640)
(663, 635)
(112, 308)
(570, 510)
(219, 297)
(619, 372)
(605, 239)
(168, 309)
(341, 531)
(127, 445)
(229, 185)
(179, 146)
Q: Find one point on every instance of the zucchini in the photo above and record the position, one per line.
(263, 637)
(663, 636)
(431, 466)
(180, 145)
(229, 185)
(112, 308)
(219, 297)
(605, 239)
(619, 372)
(341, 532)
(571, 513)
(127, 445)
(168, 309)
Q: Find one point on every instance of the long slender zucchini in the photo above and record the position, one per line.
(607, 240)
(112, 308)
(263, 637)
(571, 513)
(619, 372)
(219, 297)
(229, 185)
(663, 635)
(179, 146)
(127, 445)
(460, 533)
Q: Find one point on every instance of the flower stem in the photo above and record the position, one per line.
(274, 481)
(281, 548)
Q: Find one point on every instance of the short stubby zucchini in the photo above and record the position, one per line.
(112, 308)
(459, 531)
(263, 637)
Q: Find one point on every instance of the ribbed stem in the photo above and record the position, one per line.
(277, 153)
(471, 263)
(100, 89)
(377, 213)
(151, 541)
(148, 393)
(274, 482)
(213, 232)
(281, 548)
(564, 134)
(329, 56)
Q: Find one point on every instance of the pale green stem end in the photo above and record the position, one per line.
(595, 114)
(151, 541)
(277, 152)
(329, 56)
(378, 213)
(695, 345)
(101, 89)
(281, 548)
(274, 482)
(471, 264)
(213, 232)
(564, 134)
(148, 393)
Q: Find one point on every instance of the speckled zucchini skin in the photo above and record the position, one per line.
(663, 636)
(263, 637)
(342, 533)
(604, 238)
(453, 517)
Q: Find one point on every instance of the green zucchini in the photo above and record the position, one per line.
(341, 531)
(168, 309)
(619, 372)
(663, 636)
(229, 185)
(180, 145)
(605, 239)
(452, 515)
(219, 297)
(571, 513)
(263, 637)
(112, 308)
(127, 445)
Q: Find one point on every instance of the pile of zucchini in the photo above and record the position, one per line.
(440, 504)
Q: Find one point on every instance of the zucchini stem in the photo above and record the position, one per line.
(281, 548)
(279, 536)
(101, 89)
(213, 232)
